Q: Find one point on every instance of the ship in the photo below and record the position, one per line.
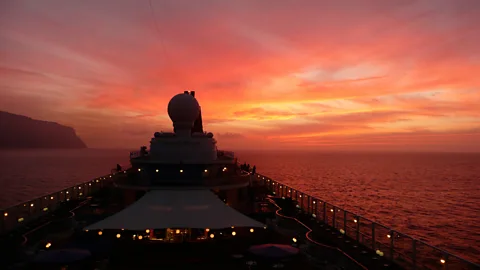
(184, 204)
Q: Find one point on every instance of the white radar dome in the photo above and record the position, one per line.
(183, 108)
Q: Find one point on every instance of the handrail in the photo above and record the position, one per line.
(15, 216)
(310, 206)
(307, 235)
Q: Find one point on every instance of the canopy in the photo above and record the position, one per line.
(161, 209)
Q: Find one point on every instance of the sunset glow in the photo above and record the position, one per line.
(382, 75)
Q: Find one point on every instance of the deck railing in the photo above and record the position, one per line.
(404, 250)
(18, 215)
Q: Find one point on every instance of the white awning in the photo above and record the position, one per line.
(160, 209)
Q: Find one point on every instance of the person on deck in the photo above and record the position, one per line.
(119, 168)
(254, 170)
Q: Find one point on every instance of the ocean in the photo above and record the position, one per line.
(434, 197)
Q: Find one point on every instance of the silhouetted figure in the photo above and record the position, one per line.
(254, 169)
(119, 168)
(143, 151)
(248, 167)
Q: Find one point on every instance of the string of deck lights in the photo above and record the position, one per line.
(31, 206)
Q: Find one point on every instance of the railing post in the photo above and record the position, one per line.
(414, 253)
(325, 213)
(345, 221)
(392, 247)
(309, 204)
(358, 228)
(301, 200)
(373, 236)
(334, 216)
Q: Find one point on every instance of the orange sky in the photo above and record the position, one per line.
(347, 75)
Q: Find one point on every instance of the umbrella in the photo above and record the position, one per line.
(62, 256)
(273, 250)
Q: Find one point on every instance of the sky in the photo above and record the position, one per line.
(272, 74)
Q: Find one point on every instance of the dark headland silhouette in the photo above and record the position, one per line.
(18, 131)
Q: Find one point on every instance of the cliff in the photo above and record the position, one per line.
(17, 131)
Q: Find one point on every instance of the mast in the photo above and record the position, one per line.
(198, 124)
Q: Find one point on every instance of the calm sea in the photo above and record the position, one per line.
(434, 197)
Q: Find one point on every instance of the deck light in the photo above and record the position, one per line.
(206, 170)
(251, 230)
(156, 170)
(300, 195)
(388, 235)
(181, 171)
(177, 231)
(45, 209)
(140, 237)
(118, 235)
(21, 219)
(147, 231)
(313, 215)
(232, 227)
(294, 239)
(331, 210)
(80, 194)
(314, 202)
(224, 169)
(31, 205)
(234, 233)
(442, 261)
(66, 192)
(48, 245)
(265, 227)
(51, 198)
(355, 220)
(139, 170)
(5, 214)
(100, 232)
(207, 229)
(212, 235)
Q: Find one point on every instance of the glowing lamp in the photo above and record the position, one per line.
(118, 235)
(5, 214)
(294, 240)
(207, 229)
(212, 235)
(442, 261)
(48, 245)
(251, 230)
(100, 232)
(147, 231)
(234, 233)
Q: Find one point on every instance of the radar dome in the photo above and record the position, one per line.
(183, 108)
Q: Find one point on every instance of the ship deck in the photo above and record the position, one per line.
(322, 246)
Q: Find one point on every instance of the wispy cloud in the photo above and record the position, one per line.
(312, 74)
